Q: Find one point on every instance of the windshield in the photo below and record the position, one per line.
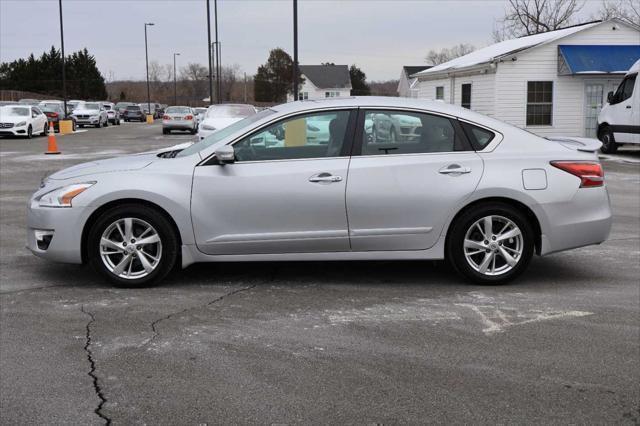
(133, 108)
(230, 111)
(91, 106)
(51, 105)
(22, 112)
(221, 134)
(177, 110)
(106, 106)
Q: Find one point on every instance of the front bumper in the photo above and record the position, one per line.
(65, 227)
(14, 131)
(87, 121)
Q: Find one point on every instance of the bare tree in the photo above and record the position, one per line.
(528, 17)
(625, 10)
(436, 57)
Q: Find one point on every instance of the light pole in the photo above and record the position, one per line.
(175, 85)
(64, 78)
(295, 50)
(146, 57)
(218, 68)
(209, 49)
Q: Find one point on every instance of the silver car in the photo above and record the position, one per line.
(179, 118)
(481, 193)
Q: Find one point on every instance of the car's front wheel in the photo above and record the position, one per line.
(133, 246)
(491, 244)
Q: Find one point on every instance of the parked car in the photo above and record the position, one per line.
(26, 101)
(55, 112)
(22, 120)
(122, 106)
(154, 109)
(179, 118)
(394, 127)
(133, 113)
(220, 116)
(464, 191)
(200, 112)
(91, 114)
(112, 113)
(73, 104)
(619, 119)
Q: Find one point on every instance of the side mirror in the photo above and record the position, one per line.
(609, 97)
(226, 154)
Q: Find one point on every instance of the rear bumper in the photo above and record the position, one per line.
(178, 125)
(584, 220)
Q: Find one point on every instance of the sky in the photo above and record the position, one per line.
(380, 36)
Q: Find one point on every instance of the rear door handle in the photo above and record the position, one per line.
(454, 169)
(325, 178)
(628, 106)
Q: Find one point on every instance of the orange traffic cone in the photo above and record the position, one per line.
(52, 147)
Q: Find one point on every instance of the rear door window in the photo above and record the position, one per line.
(404, 132)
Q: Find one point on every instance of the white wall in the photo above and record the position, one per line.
(482, 91)
(318, 93)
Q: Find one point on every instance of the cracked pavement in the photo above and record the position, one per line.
(331, 342)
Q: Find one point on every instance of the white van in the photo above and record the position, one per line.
(619, 120)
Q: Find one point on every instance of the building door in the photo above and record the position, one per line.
(594, 96)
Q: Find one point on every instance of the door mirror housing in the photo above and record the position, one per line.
(610, 97)
(225, 154)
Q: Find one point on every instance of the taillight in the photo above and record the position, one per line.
(166, 117)
(589, 172)
(188, 117)
(52, 114)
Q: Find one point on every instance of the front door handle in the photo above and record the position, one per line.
(325, 178)
(454, 169)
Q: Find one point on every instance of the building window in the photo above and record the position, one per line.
(331, 94)
(303, 96)
(539, 103)
(466, 96)
(440, 92)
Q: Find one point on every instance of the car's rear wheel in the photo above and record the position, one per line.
(45, 129)
(165, 131)
(133, 246)
(491, 244)
(609, 145)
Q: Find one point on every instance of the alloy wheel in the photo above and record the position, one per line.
(493, 245)
(130, 248)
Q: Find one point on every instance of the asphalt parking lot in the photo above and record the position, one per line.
(362, 342)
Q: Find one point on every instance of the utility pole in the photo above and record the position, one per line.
(175, 84)
(245, 87)
(218, 86)
(209, 49)
(295, 50)
(64, 77)
(146, 57)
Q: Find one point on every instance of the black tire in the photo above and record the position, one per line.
(73, 126)
(29, 132)
(165, 230)
(457, 233)
(45, 129)
(609, 145)
(165, 131)
(194, 131)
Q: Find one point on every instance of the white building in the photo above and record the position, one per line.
(552, 83)
(323, 81)
(406, 81)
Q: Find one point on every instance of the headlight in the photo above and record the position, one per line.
(62, 197)
(22, 123)
(207, 127)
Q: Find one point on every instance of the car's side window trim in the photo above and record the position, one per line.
(346, 146)
(359, 135)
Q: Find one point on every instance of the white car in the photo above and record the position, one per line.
(619, 119)
(179, 118)
(113, 115)
(220, 116)
(73, 104)
(91, 114)
(200, 112)
(22, 120)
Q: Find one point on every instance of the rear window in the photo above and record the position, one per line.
(478, 136)
(230, 111)
(107, 106)
(178, 110)
(133, 107)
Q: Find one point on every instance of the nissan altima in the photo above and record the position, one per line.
(483, 194)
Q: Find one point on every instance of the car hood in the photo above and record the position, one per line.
(6, 118)
(86, 111)
(109, 165)
(220, 122)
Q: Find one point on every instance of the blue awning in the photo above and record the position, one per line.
(596, 59)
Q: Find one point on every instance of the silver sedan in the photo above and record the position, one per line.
(483, 194)
(179, 118)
